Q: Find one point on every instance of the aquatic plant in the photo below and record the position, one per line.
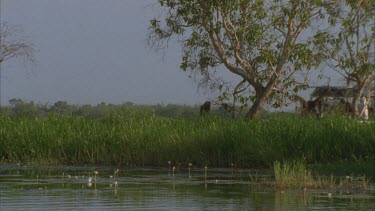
(95, 173)
(116, 173)
(205, 173)
(296, 175)
(190, 169)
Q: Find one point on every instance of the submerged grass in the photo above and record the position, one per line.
(295, 175)
(136, 138)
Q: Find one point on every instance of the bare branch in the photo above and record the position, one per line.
(11, 46)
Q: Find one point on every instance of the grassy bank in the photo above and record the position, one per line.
(136, 138)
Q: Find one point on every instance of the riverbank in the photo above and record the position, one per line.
(142, 139)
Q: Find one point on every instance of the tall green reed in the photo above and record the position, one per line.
(294, 174)
(136, 137)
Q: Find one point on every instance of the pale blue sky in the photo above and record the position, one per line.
(91, 51)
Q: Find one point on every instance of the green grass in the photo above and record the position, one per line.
(136, 138)
(295, 175)
(356, 168)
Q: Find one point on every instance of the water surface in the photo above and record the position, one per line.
(68, 188)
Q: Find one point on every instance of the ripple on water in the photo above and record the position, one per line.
(65, 187)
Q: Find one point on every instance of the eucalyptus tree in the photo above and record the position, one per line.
(265, 43)
(350, 46)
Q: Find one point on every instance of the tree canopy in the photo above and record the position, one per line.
(265, 43)
(350, 44)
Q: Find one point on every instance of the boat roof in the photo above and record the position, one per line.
(334, 91)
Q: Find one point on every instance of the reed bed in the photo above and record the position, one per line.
(296, 175)
(137, 138)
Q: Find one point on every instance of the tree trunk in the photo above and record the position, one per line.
(358, 94)
(256, 108)
(261, 97)
(354, 105)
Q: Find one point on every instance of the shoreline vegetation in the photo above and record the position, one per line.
(135, 137)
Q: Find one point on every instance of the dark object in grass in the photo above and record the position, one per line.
(205, 107)
(348, 107)
(310, 106)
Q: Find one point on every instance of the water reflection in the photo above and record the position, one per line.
(64, 187)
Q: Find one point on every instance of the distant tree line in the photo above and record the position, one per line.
(19, 107)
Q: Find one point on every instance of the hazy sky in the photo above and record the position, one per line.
(92, 51)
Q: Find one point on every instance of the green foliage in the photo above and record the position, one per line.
(349, 48)
(361, 167)
(263, 42)
(136, 137)
(296, 176)
(20, 107)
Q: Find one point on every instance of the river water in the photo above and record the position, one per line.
(106, 188)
